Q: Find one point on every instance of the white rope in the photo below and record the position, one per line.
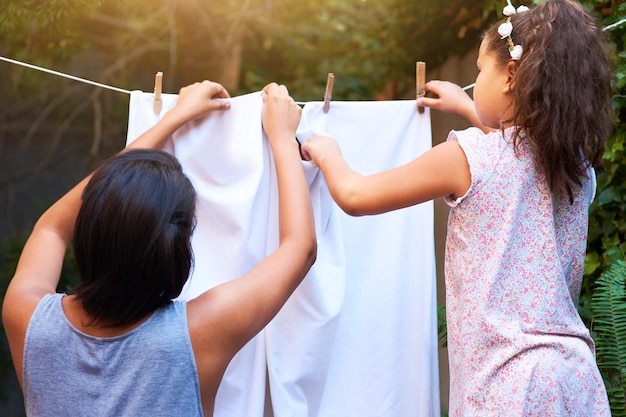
(614, 25)
(60, 74)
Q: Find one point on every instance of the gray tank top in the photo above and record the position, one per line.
(149, 371)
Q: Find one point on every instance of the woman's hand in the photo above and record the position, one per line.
(197, 99)
(281, 115)
(194, 101)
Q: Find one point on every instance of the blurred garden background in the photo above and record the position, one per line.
(53, 131)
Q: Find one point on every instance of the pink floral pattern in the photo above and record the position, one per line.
(514, 265)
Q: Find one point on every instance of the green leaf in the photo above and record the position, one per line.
(608, 305)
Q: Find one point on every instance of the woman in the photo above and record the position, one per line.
(120, 345)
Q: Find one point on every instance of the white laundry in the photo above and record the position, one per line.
(228, 162)
(384, 360)
(358, 337)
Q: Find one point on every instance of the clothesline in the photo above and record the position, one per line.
(121, 90)
(86, 81)
(614, 25)
(97, 84)
(61, 74)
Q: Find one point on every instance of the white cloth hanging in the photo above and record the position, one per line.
(228, 162)
(368, 349)
(384, 360)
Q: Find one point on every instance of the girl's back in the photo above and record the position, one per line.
(514, 265)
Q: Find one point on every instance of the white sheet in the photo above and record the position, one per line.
(358, 337)
(384, 359)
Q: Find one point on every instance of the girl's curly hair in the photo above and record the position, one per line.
(563, 89)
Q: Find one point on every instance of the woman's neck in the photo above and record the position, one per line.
(79, 318)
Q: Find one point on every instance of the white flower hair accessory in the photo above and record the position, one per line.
(506, 28)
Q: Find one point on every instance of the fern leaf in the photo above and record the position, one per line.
(608, 305)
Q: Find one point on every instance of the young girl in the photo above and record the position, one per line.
(120, 346)
(519, 188)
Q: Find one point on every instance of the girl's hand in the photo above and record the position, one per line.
(318, 148)
(450, 98)
(197, 99)
(281, 115)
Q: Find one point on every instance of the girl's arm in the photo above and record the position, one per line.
(226, 317)
(39, 267)
(451, 99)
(441, 171)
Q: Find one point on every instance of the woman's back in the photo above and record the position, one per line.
(149, 370)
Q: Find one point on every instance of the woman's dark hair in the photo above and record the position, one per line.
(563, 89)
(132, 239)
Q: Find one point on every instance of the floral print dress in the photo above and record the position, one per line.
(514, 264)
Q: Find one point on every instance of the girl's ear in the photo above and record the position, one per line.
(511, 72)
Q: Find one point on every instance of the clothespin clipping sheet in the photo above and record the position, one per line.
(158, 89)
(420, 81)
(328, 95)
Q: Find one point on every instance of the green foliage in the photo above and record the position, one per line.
(607, 221)
(45, 30)
(367, 43)
(609, 323)
(603, 297)
(442, 326)
(370, 45)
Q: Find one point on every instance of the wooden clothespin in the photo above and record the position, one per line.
(328, 95)
(158, 89)
(420, 81)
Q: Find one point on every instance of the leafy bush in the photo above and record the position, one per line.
(609, 321)
(607, 222)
